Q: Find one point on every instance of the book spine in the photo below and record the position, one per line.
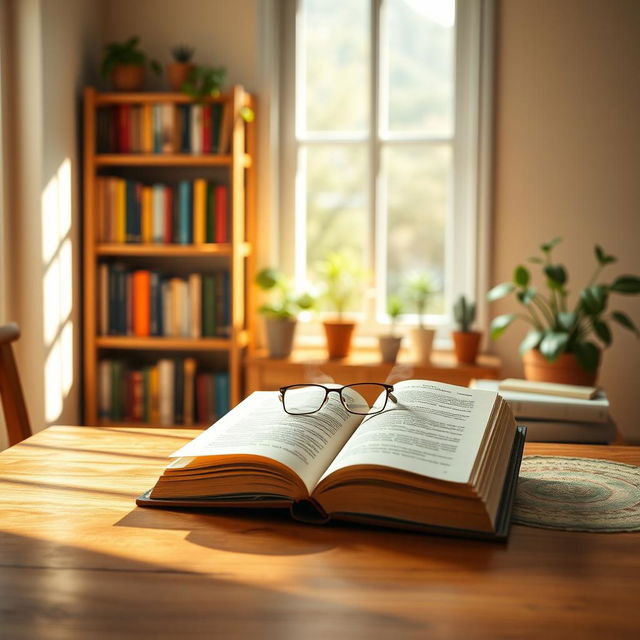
(208, 305)
(210, 214)
(185, 130)
(189, 391)
(157, 206)
(147, 128)
(141, 284)
(222, 393)
(168, 128)
(168, 215)
(178, 397)
(155, 317)
(184, 212)
(103, 297)
(104, 389)
(147, 214)
(216, 125)
(206, 128)
(121, 210)
(199, 210)
(195, 301)
(222, 213)
(166, 391)
(137, 396)
(196, 128)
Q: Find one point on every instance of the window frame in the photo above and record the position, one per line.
(467, 237)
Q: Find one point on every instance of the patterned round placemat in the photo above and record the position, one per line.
(578, 494)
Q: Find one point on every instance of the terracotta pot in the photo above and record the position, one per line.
(565, 369)
(389, 347)
(466, 345)
(127, 77)
(177, 74)
(338, 336)
(422, 341)
(279, 333)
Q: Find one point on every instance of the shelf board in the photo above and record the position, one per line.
(163, 160)
(140, 97)
(178, 344)
(168, 250)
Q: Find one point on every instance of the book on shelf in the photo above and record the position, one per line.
(191, 212)
(168, 392)
(165, 127)
(551, 407)
(438, 458)
(143, 303)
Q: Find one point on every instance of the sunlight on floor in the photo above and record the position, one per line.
(57, 256)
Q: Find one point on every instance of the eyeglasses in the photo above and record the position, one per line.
(363, 398)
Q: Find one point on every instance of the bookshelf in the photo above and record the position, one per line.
(145, 157)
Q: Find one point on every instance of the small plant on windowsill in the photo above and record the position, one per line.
(390, 344)
(341, 279)
(561, 345)
(281, 311)
(465, 341)
(419, 289)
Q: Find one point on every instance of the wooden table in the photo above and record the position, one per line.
(80, 560)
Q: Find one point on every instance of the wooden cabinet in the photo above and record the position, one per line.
(264, 373)
(143, 140)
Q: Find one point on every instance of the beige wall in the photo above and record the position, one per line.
(567, 159)
(53, 51)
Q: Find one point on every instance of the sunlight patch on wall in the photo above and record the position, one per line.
(57, 256)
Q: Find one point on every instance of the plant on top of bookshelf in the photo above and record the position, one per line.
(465, 340)
(178, 71)
(204, 82)
(182, 53)
(562, 334)
(124, 63)
(419, 288)
(280, 312)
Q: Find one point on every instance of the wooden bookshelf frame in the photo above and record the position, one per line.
(238, 255)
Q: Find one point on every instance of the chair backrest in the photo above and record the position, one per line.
(15, 410)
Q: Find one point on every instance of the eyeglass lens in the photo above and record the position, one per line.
(357, 398)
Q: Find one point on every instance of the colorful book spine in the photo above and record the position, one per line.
(196, 128)
(146, 199)
(184, 233)
(157, 206)
(141, 285)
(222, 393)
(222, 213)
(199, 210)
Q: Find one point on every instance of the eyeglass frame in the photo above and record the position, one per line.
(327, 390)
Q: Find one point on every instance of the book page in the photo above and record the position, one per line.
(434, 430)
(259, 426)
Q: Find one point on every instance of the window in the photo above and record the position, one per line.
(385, 127)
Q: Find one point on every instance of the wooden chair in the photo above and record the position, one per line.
(15, 410)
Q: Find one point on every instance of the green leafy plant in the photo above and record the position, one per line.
(204, 82)
(419, 289)
(285, 303)
(557, 326)
(395, 308)
(341, 279)
(182, 53)
(126, 53)
(464, 314)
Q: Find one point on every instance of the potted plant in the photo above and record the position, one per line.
(178, 71)
(280, 313)
(465, 341)
(341, 279)
(419, 288)
(124, 63)
(204, 81)
(390, 344)
(565, 341)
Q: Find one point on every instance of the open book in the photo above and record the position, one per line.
(441, 457)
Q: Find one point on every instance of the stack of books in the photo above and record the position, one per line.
(556, 413)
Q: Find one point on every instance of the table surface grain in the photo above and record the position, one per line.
(78, 559)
